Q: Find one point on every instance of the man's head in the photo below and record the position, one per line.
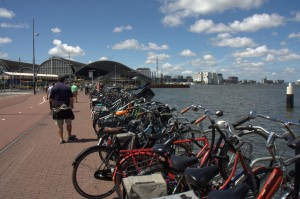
(61, 78)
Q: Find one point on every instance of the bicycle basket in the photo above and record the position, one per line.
(111, 122)
(146, 186)
(126, 140)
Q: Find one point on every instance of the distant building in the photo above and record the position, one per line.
(208, 78)
(180, 78)
(144, 71)
(265, 80)
(167, 78)
(220, 78)
(189, 78)
(232, 80)
(279, 81)
(198, 77)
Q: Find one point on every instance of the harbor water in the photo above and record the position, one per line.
(237, 101)
(234, 100)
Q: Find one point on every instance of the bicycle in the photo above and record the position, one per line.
(97, 163)
(276, 176)
(171, 167)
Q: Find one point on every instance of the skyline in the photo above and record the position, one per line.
(249, 39)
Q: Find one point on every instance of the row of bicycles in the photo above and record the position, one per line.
(202, 158)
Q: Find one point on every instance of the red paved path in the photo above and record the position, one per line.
(36, 165)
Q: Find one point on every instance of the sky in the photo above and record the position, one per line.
(249, 39)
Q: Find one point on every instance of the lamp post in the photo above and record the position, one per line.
(33, 57)
(115, 76)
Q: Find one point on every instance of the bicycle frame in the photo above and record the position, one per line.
(202, 154)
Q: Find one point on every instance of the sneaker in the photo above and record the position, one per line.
(62, 142)
(72, 138)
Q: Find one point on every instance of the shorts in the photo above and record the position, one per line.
(75, 93)
(60, 123)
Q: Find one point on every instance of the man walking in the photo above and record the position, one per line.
(74, 90)
(62, 102)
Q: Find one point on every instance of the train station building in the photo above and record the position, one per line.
(18, 74)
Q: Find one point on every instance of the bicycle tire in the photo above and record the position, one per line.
(225, 163)
(261, 174)
(91, 177)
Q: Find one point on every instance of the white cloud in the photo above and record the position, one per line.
(249, 24)
(6, 13)
(187, 53)
(172, 20)
(209, 60)
(122, 28)
(5, 40)
(56, 30)
(206, 61)
(250, 52)
(187, 72)
(9, 25)
(152, 57)
(65, 50)
(127, 44)
(3, 55)
(248, 68)
(257, 22)
(196, 62)
(208, 26)
(294, 35)
(134, 44)
(297, 16)
(270, 58)
(176, 11)
(290, 57)
(225, 39)
(103, 58)
(168, 68)
(290, 70)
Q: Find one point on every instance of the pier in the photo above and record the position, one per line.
(169, 86)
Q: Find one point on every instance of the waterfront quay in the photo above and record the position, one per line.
(33, 164)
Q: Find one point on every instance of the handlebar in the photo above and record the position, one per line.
(242, 120)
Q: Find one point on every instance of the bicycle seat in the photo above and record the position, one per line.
(165, 147)
(237, 192)
(114, 130)
(200, 177)
(181, 163)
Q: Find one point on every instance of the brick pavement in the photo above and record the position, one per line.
(36, 165)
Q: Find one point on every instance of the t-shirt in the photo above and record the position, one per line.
(61, 93)
(74, 88)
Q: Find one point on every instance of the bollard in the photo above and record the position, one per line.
(289, 96)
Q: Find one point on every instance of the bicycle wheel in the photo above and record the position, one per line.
(92, 172)
(183, 149)
(249, 150)
(136, 165)
(260, 174)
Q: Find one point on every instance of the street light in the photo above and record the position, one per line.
(115, 76)
(33, 56)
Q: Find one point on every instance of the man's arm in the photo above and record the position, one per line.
(51, 100)
(72, 102)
